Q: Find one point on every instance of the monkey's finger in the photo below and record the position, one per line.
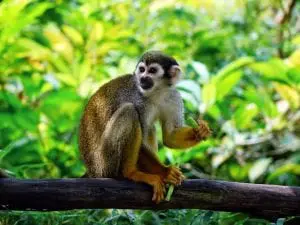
(154, 196)
(171, 177)
(164, 189)
(159, 196)
(173, 181)
(175, 170)
(176, 175)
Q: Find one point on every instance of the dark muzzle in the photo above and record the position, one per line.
(146, 82)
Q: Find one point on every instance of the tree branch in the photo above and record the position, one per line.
(283, 18)
(66, 194)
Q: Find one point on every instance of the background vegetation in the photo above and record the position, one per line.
(241, 62)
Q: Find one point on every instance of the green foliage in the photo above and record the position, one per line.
(55, 54)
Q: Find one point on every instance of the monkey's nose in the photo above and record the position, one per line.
(146, 82)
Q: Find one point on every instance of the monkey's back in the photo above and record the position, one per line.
(100, 109)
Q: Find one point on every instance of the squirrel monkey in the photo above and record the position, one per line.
(117, 133)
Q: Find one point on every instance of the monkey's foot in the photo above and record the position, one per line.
(174, 176)
(202, 131)
(159, 188)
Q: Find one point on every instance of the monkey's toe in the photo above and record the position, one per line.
(174, 176)
(159, 190)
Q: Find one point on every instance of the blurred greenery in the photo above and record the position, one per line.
(241, 63)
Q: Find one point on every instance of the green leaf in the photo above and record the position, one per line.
(235, 65)
(190, 86)
(263, 101)
(244, 114)
(73, 34)
(280, 221)
(273, 69)
(34, 50)
(17, 16)
(190, 91)
(27, 119)
(287, 168)
(59, 42)
(192, 122)
(259, 168)
(226, 84)
(288, 93)
(84, 70)
(96, 34)
(209, 94)
(220, 158)
(67, 79)
(237, 172)
(201, 70)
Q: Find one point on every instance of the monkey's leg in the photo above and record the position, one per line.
(126, 127)
(148, 161)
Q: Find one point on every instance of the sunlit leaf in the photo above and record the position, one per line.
(34, 50)
(289, 94)
(59, 42)
(191, 87)
(263, 101)
(201, 70)
(226, 84)
(96, 33)
(244, 115)
(209, 94)
(294, 59)
(259, 168)
(237, 172)
(273, 69)
(235, 65)
(73, 34)
(287, 168)
(67, 79)
(84, 70)
(220, 158)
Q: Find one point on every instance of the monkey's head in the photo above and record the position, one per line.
(156, 70)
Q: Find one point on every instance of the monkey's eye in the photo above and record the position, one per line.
(142, 69)
(152, 70)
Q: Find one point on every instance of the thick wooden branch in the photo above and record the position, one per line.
(66, 194)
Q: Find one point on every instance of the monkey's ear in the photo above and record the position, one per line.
(175, 73)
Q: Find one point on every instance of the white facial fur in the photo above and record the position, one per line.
(154, 70)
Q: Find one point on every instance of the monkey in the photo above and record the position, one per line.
(117, 136)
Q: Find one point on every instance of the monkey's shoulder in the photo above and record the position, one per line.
(119, 83)
(112, 94)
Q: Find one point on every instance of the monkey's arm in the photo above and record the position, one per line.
(185, 137)
(175, 134)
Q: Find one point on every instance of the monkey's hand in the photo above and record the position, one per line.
(174, 176)
(159, 188)
(202, 131)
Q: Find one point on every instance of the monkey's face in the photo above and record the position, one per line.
(153, 76)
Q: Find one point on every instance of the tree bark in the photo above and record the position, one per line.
(66, 194)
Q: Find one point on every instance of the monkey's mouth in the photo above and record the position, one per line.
(146, 83)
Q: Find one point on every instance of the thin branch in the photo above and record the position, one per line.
(282, 19)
